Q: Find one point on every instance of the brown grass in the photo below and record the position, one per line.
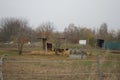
(53, 67)
(39, 65)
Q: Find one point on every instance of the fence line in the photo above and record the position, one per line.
(99, 62)
(32, 61)
(59, 73)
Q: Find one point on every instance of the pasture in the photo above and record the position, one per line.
(35, 64)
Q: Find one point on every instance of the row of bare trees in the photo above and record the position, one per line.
(19, 31)
(75, 33)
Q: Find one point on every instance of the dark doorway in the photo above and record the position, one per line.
(49, 46)
(100, 43)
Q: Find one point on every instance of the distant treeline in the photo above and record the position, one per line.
(19, 31)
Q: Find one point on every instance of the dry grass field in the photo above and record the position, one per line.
(36, 65)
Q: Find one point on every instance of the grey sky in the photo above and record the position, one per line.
(88, 13)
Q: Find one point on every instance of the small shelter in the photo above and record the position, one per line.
(100, 43)
(46, 45)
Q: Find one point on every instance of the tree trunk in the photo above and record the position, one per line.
(20, 48)
(20, 52)
(44, 43)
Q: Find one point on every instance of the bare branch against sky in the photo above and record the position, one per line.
(89, 13)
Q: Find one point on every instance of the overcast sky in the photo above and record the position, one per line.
(88, 13)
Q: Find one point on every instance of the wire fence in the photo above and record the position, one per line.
(44, 69)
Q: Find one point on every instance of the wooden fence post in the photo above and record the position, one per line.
(99, 61)
(1, 76)
(1, 65)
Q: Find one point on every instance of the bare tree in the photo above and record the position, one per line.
(73, 34)
(45, 30)
(103, 31)
(24, 36)
(17, 30)
(9, 29)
